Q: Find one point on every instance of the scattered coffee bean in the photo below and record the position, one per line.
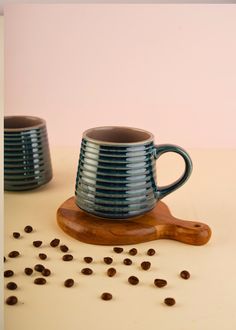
(160, 282)
(37, 243)
(64, 248)
(185, 274)
(118, 249)
(11, 286)
(151, 252)
(106, 296)
(46, 272)
(28, 229)
(69, 283)
(133, 252)
(67, 257)
(28, 271)
(12, 300)
(13, 254)
(16, 234)
(55, 242)
(169, 301)
(8, 273)
(108, 260)
(111, 272)
(4, 259)
(145, 265)
(40, 281)
(39, 268)
(42, 256)
(127, 261)
(88, 259)
(86, 271)
(133, 280)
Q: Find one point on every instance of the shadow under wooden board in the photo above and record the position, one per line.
(156, 224)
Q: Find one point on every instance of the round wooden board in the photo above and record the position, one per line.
(156, 224)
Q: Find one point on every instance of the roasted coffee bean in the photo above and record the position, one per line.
(108, 260)
(169, 301)
(133, 252)
(12, 300)
(37, 243)
(28, 271)
(127, 261)
(118, 249)
(11, 286)
(55, 242)
(39, 268)
(151, 252)
(28, 229)
(133, 280)
(40, 281)
(145, 265)
(67, 257)
(46, 272)
(42, 256)
(13, 254)
(160, 282)
(106, 296)
(64, 248)
(88, 259)
(111, 272)
(8, 273)
(86, 271)
(16, 234)
(4, 259)
(69, 282)
(185, 274)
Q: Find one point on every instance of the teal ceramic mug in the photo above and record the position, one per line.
(116, 175)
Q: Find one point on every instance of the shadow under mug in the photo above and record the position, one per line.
(116, 175)
(27, 162)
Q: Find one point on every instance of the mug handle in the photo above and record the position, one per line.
(163, 148)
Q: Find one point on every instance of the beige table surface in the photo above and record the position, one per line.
(205, 301)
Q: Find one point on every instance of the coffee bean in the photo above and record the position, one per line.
(145, 265)
(28, 229)
(67, 257)
(133, 280)
(16, 234)
(151, 252)
(108, 260)
(127, 261)
(55, 242)
(8, 273)
(185, 274)
(64, 248)
(39, 268)
(69, 283)
(13, 254)
(133, 252)
(4, 259)
(42, 256)
(106, 296)
(169, 301)
(12, 300)
(86, 271)
(37, 243)
(46, 272)
(40, 281)
(111, 272)
(28, 271)
(88, 259)
(160, 282)
(11, 285)
(118, 249)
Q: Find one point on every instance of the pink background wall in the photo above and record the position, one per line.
(170, 69)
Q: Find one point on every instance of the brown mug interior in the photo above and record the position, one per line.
(21, 123)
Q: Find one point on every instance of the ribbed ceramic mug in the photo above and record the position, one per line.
(27, 162)
(116, 175)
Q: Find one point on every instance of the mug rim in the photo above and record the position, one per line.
(98, 141)
(41, 123)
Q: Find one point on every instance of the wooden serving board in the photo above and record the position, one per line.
(156, 224)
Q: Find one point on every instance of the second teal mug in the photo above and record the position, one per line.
(116, 175)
